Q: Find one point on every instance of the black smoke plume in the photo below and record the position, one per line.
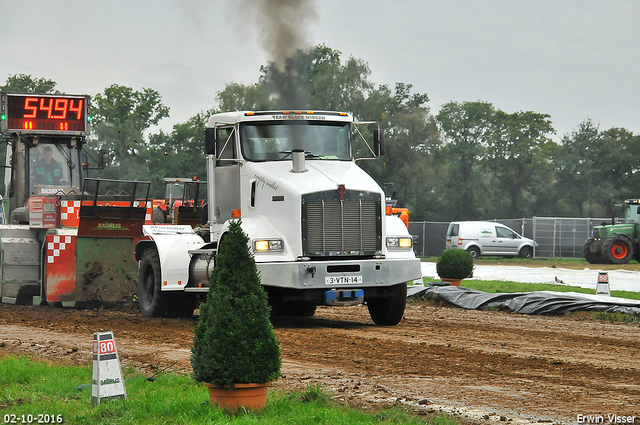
(283, 26)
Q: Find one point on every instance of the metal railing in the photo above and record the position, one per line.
(557, 237)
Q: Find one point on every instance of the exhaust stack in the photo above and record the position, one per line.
(297, 157)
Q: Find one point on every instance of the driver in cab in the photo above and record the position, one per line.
(48, 171)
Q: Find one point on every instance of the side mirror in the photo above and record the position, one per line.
(103, 159)
(210, 139)
(378, 142)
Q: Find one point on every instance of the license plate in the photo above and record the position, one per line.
(342, 280)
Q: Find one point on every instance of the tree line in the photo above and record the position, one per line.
(470, 161)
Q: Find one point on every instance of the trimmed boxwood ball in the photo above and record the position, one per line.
(454, 264)
(234, 341)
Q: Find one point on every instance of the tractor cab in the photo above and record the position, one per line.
(53, 168)
(183, 203)
(632, 213)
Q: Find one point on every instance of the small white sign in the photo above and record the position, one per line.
(107, 381)
(602, 287)
(343, 280)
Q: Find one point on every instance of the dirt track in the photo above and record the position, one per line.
(482, 366)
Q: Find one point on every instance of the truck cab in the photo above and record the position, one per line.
(316, 221)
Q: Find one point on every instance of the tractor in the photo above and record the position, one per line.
(616, 243)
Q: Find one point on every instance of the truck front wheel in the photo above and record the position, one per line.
(618, 250)
(150, 296)
(388, 311)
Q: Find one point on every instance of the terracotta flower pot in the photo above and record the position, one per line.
(250, 396)
(452, 282)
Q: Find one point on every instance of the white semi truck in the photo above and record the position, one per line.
(316, 221)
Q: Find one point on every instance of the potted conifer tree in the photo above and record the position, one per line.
(235, 350)
(454, 265)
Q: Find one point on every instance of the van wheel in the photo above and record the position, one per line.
(526, 252)
(389, 311)
(473, 251)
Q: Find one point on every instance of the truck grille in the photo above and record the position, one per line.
(331, 227)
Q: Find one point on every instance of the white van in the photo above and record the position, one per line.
(488, 238)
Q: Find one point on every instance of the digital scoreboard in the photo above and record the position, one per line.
(44, 113)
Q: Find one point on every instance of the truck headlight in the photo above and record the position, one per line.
(267, 245)
(399, 242)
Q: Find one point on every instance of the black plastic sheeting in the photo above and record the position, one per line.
(541, 302)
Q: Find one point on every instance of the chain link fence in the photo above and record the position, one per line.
(557, 237)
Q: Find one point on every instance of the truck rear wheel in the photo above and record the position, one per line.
(591, 257)
(389, 311)
(150, 297)
(182, 306)
(298, 309)
(618, 250)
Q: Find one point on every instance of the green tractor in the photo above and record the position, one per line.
(616, 243)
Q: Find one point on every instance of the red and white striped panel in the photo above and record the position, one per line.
(56, 245)
(69, 213)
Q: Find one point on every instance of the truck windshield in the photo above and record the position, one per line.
(273, 141)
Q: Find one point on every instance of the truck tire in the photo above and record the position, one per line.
(526, 252)
(389, 311)
(153, 302)
(618, 250)
(182, 306)
(298, 309)
(158, 216)
(591, 257)
(474, 251)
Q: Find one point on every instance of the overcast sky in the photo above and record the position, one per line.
(571, 59)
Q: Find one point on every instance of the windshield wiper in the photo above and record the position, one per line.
(307, 154)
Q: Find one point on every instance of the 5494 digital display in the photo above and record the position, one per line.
(44, 113)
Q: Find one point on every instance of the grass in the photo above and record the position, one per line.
(31, 387)
(498, 286)
(568, 263)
